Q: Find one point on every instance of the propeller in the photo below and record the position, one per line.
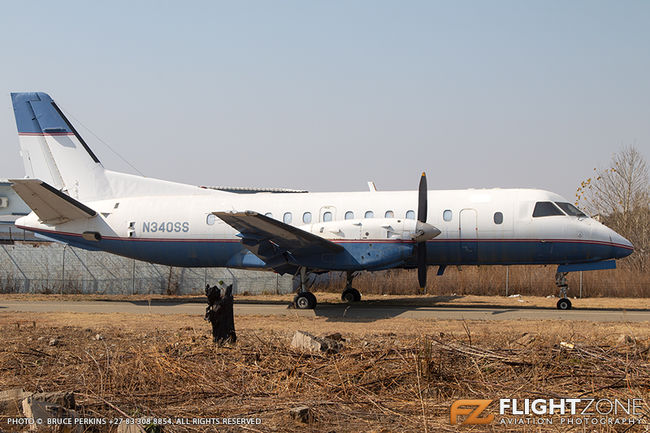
(421, 245)
(423, 232)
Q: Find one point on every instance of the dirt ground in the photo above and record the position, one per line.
(390, 375)
(453, 300)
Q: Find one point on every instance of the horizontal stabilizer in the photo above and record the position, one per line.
(260, 228)
(51, 205)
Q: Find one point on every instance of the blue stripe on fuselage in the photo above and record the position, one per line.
(230, 253)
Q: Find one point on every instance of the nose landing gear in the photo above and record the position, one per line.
(560, 281)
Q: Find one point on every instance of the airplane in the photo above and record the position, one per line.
(75, 200)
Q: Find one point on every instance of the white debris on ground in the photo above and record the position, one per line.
(305, 341)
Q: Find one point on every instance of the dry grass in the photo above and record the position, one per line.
(491, 280)
(393, 375)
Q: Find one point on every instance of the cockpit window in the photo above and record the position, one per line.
(570, 209)
(545, 208)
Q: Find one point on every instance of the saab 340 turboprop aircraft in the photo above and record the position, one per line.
(77, 201)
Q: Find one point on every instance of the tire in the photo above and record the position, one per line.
(312, 299)
(564, 304)
(350, 295)
(305, 301)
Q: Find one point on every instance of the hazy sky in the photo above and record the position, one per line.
(325, 95)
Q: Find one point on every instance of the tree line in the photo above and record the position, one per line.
(618, 195)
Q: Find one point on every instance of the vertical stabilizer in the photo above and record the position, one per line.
(53, 150)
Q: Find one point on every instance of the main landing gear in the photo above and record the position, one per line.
(304, 300)
(350, 294)
(560, 280)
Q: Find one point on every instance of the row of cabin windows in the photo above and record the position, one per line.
(287, 218)
(447, 215)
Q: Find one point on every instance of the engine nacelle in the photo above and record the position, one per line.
(370, 243)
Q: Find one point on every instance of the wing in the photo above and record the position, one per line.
(275, 242)
(257, 227)
(51, 205)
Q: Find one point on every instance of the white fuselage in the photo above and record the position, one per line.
(175, 229)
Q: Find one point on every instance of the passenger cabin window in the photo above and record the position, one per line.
(410, 214)
(210, 220)
(498, 217)
(269, 214)
(389, 214)
(349, 215)
(570, 209)
(287, 218)
(327, 216)
(545, 208)
(369, 214)
(306, 217)
(446, 215)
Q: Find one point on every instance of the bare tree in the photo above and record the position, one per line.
(620, 197)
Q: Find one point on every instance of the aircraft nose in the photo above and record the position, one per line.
(622, 247)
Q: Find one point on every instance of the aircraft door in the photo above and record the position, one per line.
(327, 213)
(468, 235)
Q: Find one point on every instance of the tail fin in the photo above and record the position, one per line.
(53, 150)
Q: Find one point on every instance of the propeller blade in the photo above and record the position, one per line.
(421, 247)
(422, 199)
(422, 264)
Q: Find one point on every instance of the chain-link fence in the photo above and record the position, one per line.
(44, 267)
(47, 267)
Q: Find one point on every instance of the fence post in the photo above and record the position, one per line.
(235, 285)
(133, 278)
(169, 281)
(580, 284)
(63, 269)
(507, 279)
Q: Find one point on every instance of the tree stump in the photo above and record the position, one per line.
(220, 314)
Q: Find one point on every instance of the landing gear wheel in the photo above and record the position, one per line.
(350, 295)
(305, 301)
(564, 304)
